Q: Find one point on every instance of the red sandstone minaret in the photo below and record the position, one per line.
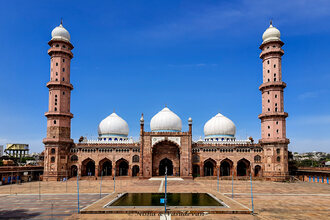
(58, 140)
(273, 126)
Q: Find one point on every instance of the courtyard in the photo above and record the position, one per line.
(58, 200)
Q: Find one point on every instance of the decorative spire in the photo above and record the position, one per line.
(165, 105)
(61, 21)
(142, 119)
(271, 22)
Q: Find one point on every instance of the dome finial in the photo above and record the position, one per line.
(271, 22)
(60, 33)
(114, 111)
(165, 105)
(142, 119)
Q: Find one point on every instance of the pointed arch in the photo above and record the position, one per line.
(257, 171)
(243, 167)
(88, 167)
(122, 167)
(135, 170)
(74, 171)
(226, 167)
(209, 167)
(105, 167)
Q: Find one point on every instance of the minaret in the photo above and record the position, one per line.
(273, 125)
(58, 140)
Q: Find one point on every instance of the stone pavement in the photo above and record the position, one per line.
(29, 206)
(272, 200)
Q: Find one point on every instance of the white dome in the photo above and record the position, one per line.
(271, 34)
(113, 125)
(219, 126)
(60, 33)
(166, 120)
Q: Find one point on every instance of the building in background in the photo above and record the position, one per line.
(166, 145)
(17, 150)
(1, 150)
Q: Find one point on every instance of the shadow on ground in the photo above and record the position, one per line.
(18, 214)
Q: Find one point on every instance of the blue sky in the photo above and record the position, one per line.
(198, 57)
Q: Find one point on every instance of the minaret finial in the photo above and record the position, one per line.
(61, 21)
(271, 22)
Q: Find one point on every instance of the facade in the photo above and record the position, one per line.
(166, 145)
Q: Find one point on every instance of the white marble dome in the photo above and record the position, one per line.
(60, 33)
(271, 34)
(166, 120)
(113, 125)
(219, 126)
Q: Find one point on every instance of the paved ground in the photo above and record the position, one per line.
(47, 207)
(272, 200)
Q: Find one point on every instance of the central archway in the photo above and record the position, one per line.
(163, 164)
(165, 153)
(105, 167)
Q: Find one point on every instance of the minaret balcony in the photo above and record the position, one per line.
(58, 84)
(272, 84)
(273, 114)
(274, 140)
(57, 140)
(58, 113)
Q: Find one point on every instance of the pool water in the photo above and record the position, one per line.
(173, 199)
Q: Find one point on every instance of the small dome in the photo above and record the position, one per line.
(271, 34)
(113, 125)
(60, 33)
(219, 126)
(166, 120)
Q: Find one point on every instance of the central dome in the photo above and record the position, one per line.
(113, 125)
(166, 120)
(219, 126)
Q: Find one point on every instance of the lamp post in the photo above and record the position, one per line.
(78, 191)
(218, 179)
(165, 188)
(114, 180)
(251, 194)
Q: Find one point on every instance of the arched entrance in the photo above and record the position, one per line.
(74, 171)
(257, 171)
(135, 170)
(163, 164)
(209, 167)
(243, 167)
(105, 167)
(165, 153)
(196, 171)
(88, 167)
(122, 167)
(225, 167)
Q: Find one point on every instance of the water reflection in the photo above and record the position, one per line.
(173, 199)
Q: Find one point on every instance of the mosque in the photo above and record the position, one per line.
(165, 144)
